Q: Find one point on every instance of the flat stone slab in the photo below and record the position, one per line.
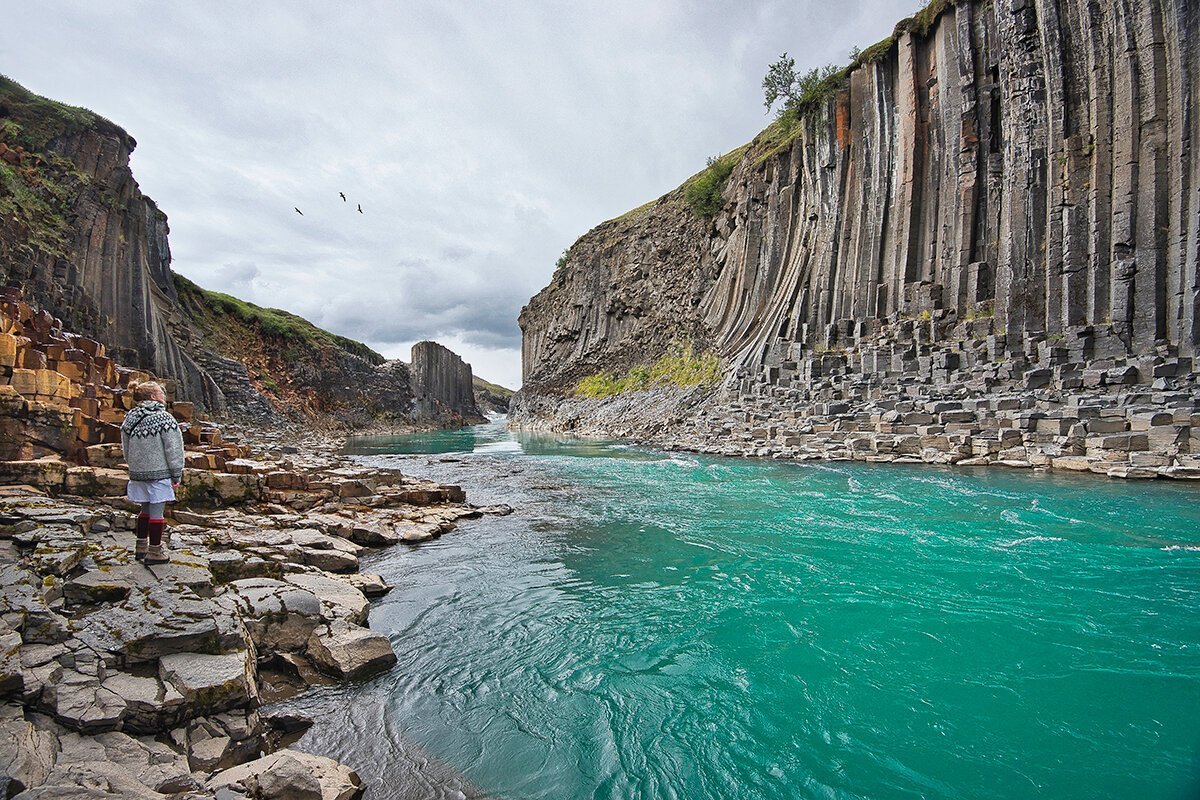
(105, 585)
(211, 683)
(339, 599)
(159, 620)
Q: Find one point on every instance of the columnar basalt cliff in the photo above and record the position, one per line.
(79, 237)
(82, 243)
(443, 384)
(993, 216)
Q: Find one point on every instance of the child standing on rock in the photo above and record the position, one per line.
(153, 448)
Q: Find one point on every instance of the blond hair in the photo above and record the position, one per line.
(146, 390)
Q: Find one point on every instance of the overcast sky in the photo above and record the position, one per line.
(481, 139)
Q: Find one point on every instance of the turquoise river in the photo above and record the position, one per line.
(660, 625)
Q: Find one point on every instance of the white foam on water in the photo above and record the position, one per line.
(1027, 539)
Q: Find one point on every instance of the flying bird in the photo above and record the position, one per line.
(360, 208)
(298, 211)
(343, 194)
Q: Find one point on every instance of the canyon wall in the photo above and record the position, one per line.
(80, 240)
(1003, 190)
(83, 242)
(1029, 160)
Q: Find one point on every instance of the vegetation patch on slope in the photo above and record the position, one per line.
(680, 366)
(703, 192)
(208, 307)
(37, 185)
(487, 386)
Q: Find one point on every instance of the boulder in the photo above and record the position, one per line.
(96, 481)
(49, 472)
(278, 615)
(329, 560)
(339, 599)
(374, 534)
(291, 775)
(105, 585)
(348, 651)
(369, 584)
(211, 684)
(201, 487)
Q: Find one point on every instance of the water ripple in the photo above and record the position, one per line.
(655, 625)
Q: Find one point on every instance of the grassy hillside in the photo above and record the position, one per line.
(215, 312)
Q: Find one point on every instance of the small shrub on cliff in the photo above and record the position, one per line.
(703, 194)
(680, 366)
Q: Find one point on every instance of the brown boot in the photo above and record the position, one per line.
(142, 532)
(156, 553)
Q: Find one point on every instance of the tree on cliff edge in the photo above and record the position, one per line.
(797, 91)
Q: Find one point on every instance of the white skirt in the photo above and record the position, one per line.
(159, 491)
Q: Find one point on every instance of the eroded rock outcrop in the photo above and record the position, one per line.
(986, 236)
(148, 680)
(442, 383)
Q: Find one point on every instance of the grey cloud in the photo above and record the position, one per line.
(480, 139)
(239, 274)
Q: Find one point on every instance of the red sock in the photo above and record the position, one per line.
(143, 526)
(156, 531)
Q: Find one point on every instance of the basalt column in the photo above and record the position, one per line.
(442, 383)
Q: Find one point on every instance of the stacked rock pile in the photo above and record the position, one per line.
(939, 391)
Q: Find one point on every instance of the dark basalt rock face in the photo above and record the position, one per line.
(84, 243)
(1002, 201)
(442, 384)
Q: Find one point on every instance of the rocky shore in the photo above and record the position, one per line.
(134, 681)
(123, 679)
(1119, 417)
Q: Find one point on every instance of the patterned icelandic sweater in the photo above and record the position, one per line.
(152, 443)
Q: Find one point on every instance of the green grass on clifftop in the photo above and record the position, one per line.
(38, 186)
(207, 307)
(487, 386)
(679, 367)
(39, 120)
